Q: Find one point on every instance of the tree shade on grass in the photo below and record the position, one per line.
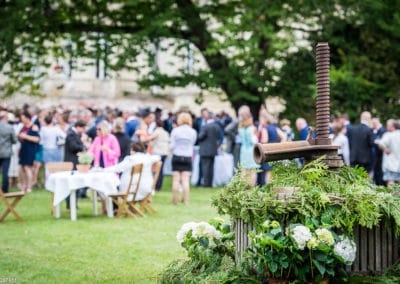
(93, 249)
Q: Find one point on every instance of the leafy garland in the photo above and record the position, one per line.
(342, 198)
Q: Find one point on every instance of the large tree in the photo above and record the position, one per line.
(251, 47)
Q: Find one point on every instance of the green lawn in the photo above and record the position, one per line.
(42, 249)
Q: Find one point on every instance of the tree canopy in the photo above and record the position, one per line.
(252, 49)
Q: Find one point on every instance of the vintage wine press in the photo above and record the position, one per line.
(309, 149)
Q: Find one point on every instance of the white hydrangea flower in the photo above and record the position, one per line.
(217, 235)
(313, 243)
(301, 235)
(325, 236)
(266, 224)
(201, 229)
(346, 249)
(181, 235)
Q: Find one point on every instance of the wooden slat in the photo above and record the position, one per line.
(371, 249)
(384, 246)
(242, 238)
(396, 250)
(356, 266)
(363, 249)
(378, 248)
(390, 248)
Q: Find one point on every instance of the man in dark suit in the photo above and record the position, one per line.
(209, 140)
(74, 143)
(378, 131)
(199, 122)
(361, 140)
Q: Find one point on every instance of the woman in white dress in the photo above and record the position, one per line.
(51, 137)
(340, 139)
(138, 156)
(390, 145)
(14, 166)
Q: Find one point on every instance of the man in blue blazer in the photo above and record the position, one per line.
(361, 139)
(209, 140)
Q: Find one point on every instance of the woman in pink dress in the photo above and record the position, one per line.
(105, 147)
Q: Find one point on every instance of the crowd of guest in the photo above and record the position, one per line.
(30, 138)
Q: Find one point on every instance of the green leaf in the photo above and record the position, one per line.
(273, 267)
(204, 241)
(319, 266)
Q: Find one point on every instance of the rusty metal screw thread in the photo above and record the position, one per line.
(323, 94)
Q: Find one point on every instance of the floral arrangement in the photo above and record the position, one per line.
(85, 158)
(210, 248)
(300, 253)
(201, 232)
(344, 198)
(215, 235)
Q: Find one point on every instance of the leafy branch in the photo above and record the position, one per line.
(342, 198)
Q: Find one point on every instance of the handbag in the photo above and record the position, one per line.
(60, 140)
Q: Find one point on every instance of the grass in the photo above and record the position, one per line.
(95, 249)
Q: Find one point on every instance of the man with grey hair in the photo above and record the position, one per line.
(302, 128)
(361, 139)
(7, 139)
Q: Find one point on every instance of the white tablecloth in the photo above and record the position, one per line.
(223, 169)
(62, 183)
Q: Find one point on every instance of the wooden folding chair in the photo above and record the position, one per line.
(144, 204)
(55, 167)
(121, 198)
(10, 206)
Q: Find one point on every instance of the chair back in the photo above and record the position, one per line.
(156, 170)
(135, 171)
(54, 167)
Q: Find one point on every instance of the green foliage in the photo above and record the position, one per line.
(239, 42)
(365, 56)
(298, 254)
(343, 198)
(211, 254)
